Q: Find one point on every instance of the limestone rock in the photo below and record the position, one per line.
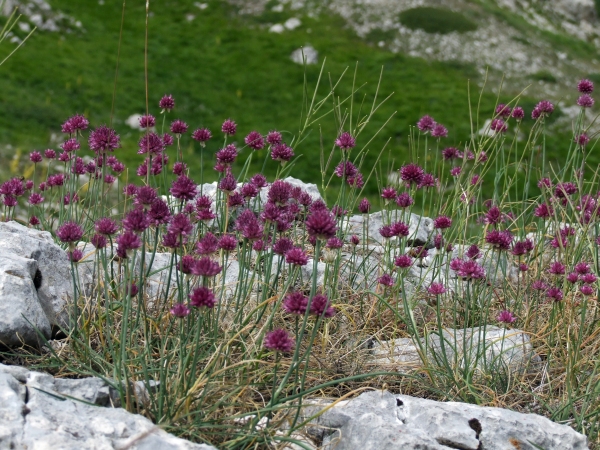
(420, 227)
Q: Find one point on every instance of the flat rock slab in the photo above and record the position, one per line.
(384, 421)
(39, 412)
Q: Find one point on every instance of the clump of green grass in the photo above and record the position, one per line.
(436, 20)
(544, 75)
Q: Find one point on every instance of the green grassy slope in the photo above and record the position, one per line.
(219, 65)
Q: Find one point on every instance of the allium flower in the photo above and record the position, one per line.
(179, 168)
(171, 240)
(35, 157)
(279, 341)
(542, 109)
(455, 171)
(503, 110)
(563, 190)
(226, 156)
(77, 122)
(469, 269)
(436, 289)
(400, 229)
(228, 183)
(386, 280)
(345, 141)
(159, 213)
(254, 140)
(522, 247)
(338, 211)
(183, 188)
(354, 240)
(281, 152)
(573, 278)
(167, 103)
(411, 174)
(544, 211)
(321, 224)
(523, 267)
(127, 242)
(386, 232)
(439, 131)
(334, 243)
(554, 293)
(388, 194)
(404, 200)
(586, 290)
(403, 261)
(104, 139)
(259, 245)
(99, 241)
(228, 243)
(69, 232)
(556, 268)
(147, 121)
(50, 154)
(229, 127)
(364, 206)
(34, 221)
(539, 285)
(585, 86)
(498, 126)
(296, 256)
(179, 310)
(206, 267)
(179, 127)
(202, 135)
(506, 317)
(442, 222)
(426, 124)
(202, 297)
(493, 216)
(180, 225)
(259, 180)
(451, 153)
(418, 252)
(106, 226)
(585, 101)
(319, 306)
(282, 245)
(346, 170)
(588, 278)
(249, 191)
(295, 303)
(150, 143)
(428, 181)
(280, 193)
(136, 221)
(500, 240)
(274, 137)
(582, 268)
(75, 255)
(167, 140)
(582, 139)
(517, 113)
(35, 199)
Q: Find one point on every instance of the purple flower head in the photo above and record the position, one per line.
(455, 171)
(404, 200)
(319, 306)
(295, 303)
(493, 216)
(227, 155)
(345, 141)
(318, 205)
(386, 280)
(106, 226)
(503, 111)
(228, 243)
(442, 222)
(77, 122)
(563, 190)
(364, 206)
(202, 135)
(282, 245)
(35, 157)
(498, 126)
(555, 294)
(202, 297)
(180, 225)
(386, 232)
(249, 191)
(426, 124)
(418, 252)
(35, 199)
(150, 143)
(208, 244)
(104, 139)
(523, 267)
(556, 268)
(127, 242)
(296, 256)
(254, 140)
(586, 290)
(147, 121)
(69, 232)
(439, 131)
(354, 240)
(588, 278)
(229, 127)
(403, 261)
(388, 194)
(400, 229)
(582, 268)
(50, 154)
(585, 101)
(522, 247)
(428, 181)
(470, 270)
(145, 196)
(274, 137)
(517, 113)
(159, 213)
(346, 170)
(167, 140)
(179, 310)
(542, 109)
(412, 174)
(186, 264)
(179, 168)
(544, 211)
(278, 340)
(206, 267)
(260, 245)
(338, 211)
(505, 317)
(70, 145)
(167, 103)
(585, 86)
(228, 183)
(334, 243)
(281, 152)
(179, 127)
(183, 188)
(321, 224)
(280, 192)
(136, 221)
(500, 240)
(75, 256)
(99, 241)
(171, 240)
(451, 153)
(582, 140)
(573, 278)
(436, 289)
(539, 285)
(259, 180)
